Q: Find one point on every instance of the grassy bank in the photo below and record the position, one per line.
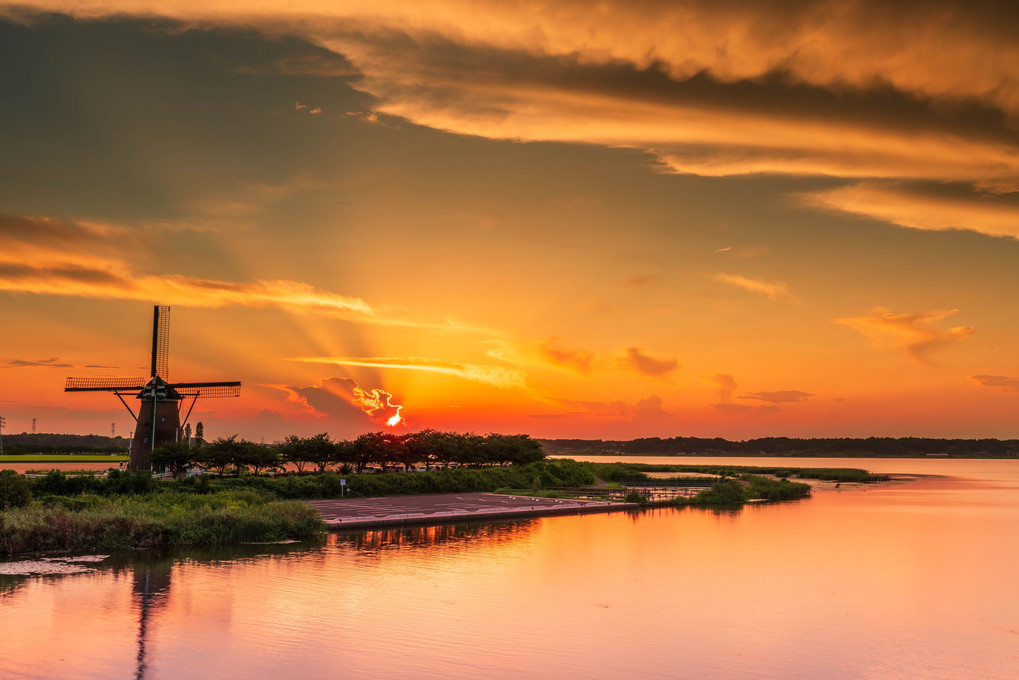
(133, 510)
(615, 471)
(540, 475)
(89, 523)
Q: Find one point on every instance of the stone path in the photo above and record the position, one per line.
(439, 508)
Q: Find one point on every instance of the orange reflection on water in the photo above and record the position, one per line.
(909, 580)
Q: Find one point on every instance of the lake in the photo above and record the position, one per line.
(903, 580)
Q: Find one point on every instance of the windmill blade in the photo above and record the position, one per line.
(160, 341)
(105, 384)
(211, 390)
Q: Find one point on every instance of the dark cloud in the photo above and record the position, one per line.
(344, 400)
(332, 398)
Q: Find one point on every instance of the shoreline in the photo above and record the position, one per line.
(389, 511)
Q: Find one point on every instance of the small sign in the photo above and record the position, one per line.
(343, 482)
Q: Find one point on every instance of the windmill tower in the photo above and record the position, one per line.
(159, 413)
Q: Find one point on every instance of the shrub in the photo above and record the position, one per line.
(15, 491)
(725, 492)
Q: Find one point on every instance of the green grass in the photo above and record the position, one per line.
(167, 519)
(62, 458)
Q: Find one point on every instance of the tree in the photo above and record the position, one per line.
(199, 435)
(319, 450)
(256, 456)
(187, 433)
(344, 454)
(424, 446)
(377, 447)
(176, 457)
(220, 454)
(292, 451)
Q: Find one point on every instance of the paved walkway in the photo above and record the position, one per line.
(450, 507)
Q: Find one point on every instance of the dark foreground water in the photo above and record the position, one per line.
(914, 580)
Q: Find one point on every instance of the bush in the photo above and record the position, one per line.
(15, 491)
(775, 489)
(725, 492)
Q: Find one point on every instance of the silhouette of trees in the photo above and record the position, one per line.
(378, 451)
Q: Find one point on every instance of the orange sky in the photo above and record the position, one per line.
(631, 219)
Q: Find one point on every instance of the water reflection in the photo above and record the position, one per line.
(908, 580)
(424, 537)
(151, 588)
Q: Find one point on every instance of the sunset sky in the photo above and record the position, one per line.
(570, 219)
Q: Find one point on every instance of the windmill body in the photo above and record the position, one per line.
(161, 402)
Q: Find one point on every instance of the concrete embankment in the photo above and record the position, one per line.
(359, 513)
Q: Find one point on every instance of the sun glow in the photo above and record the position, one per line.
(377, 405)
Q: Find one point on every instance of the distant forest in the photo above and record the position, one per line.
(64, 443)
(872, 447)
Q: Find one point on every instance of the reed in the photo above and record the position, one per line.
(95, 523)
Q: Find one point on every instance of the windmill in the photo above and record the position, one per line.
(159, 414)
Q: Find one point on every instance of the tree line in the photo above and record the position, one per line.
(372, 451)
(892, 447)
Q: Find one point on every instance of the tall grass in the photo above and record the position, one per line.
(95, 523)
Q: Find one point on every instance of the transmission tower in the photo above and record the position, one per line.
(3, 421)
(33, 425)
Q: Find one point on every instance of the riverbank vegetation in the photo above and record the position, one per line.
(230, 490)
(616, 471)
(242, 502)
(87, 522)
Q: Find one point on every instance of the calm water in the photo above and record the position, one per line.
(913, 580)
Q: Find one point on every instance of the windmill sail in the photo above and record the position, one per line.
(105, 384)
(161, 342)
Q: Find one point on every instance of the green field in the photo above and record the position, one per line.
(67, 458)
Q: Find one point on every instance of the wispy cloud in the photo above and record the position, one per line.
(732, 408)
(916, 333)
(648, 409)
(932, 208)
(48, 256)
(576, 360)
(53, 362)
(1000, 382)
(637, 360)
(779, 396)
(490, 375)
(772, 289)
(726, 385)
